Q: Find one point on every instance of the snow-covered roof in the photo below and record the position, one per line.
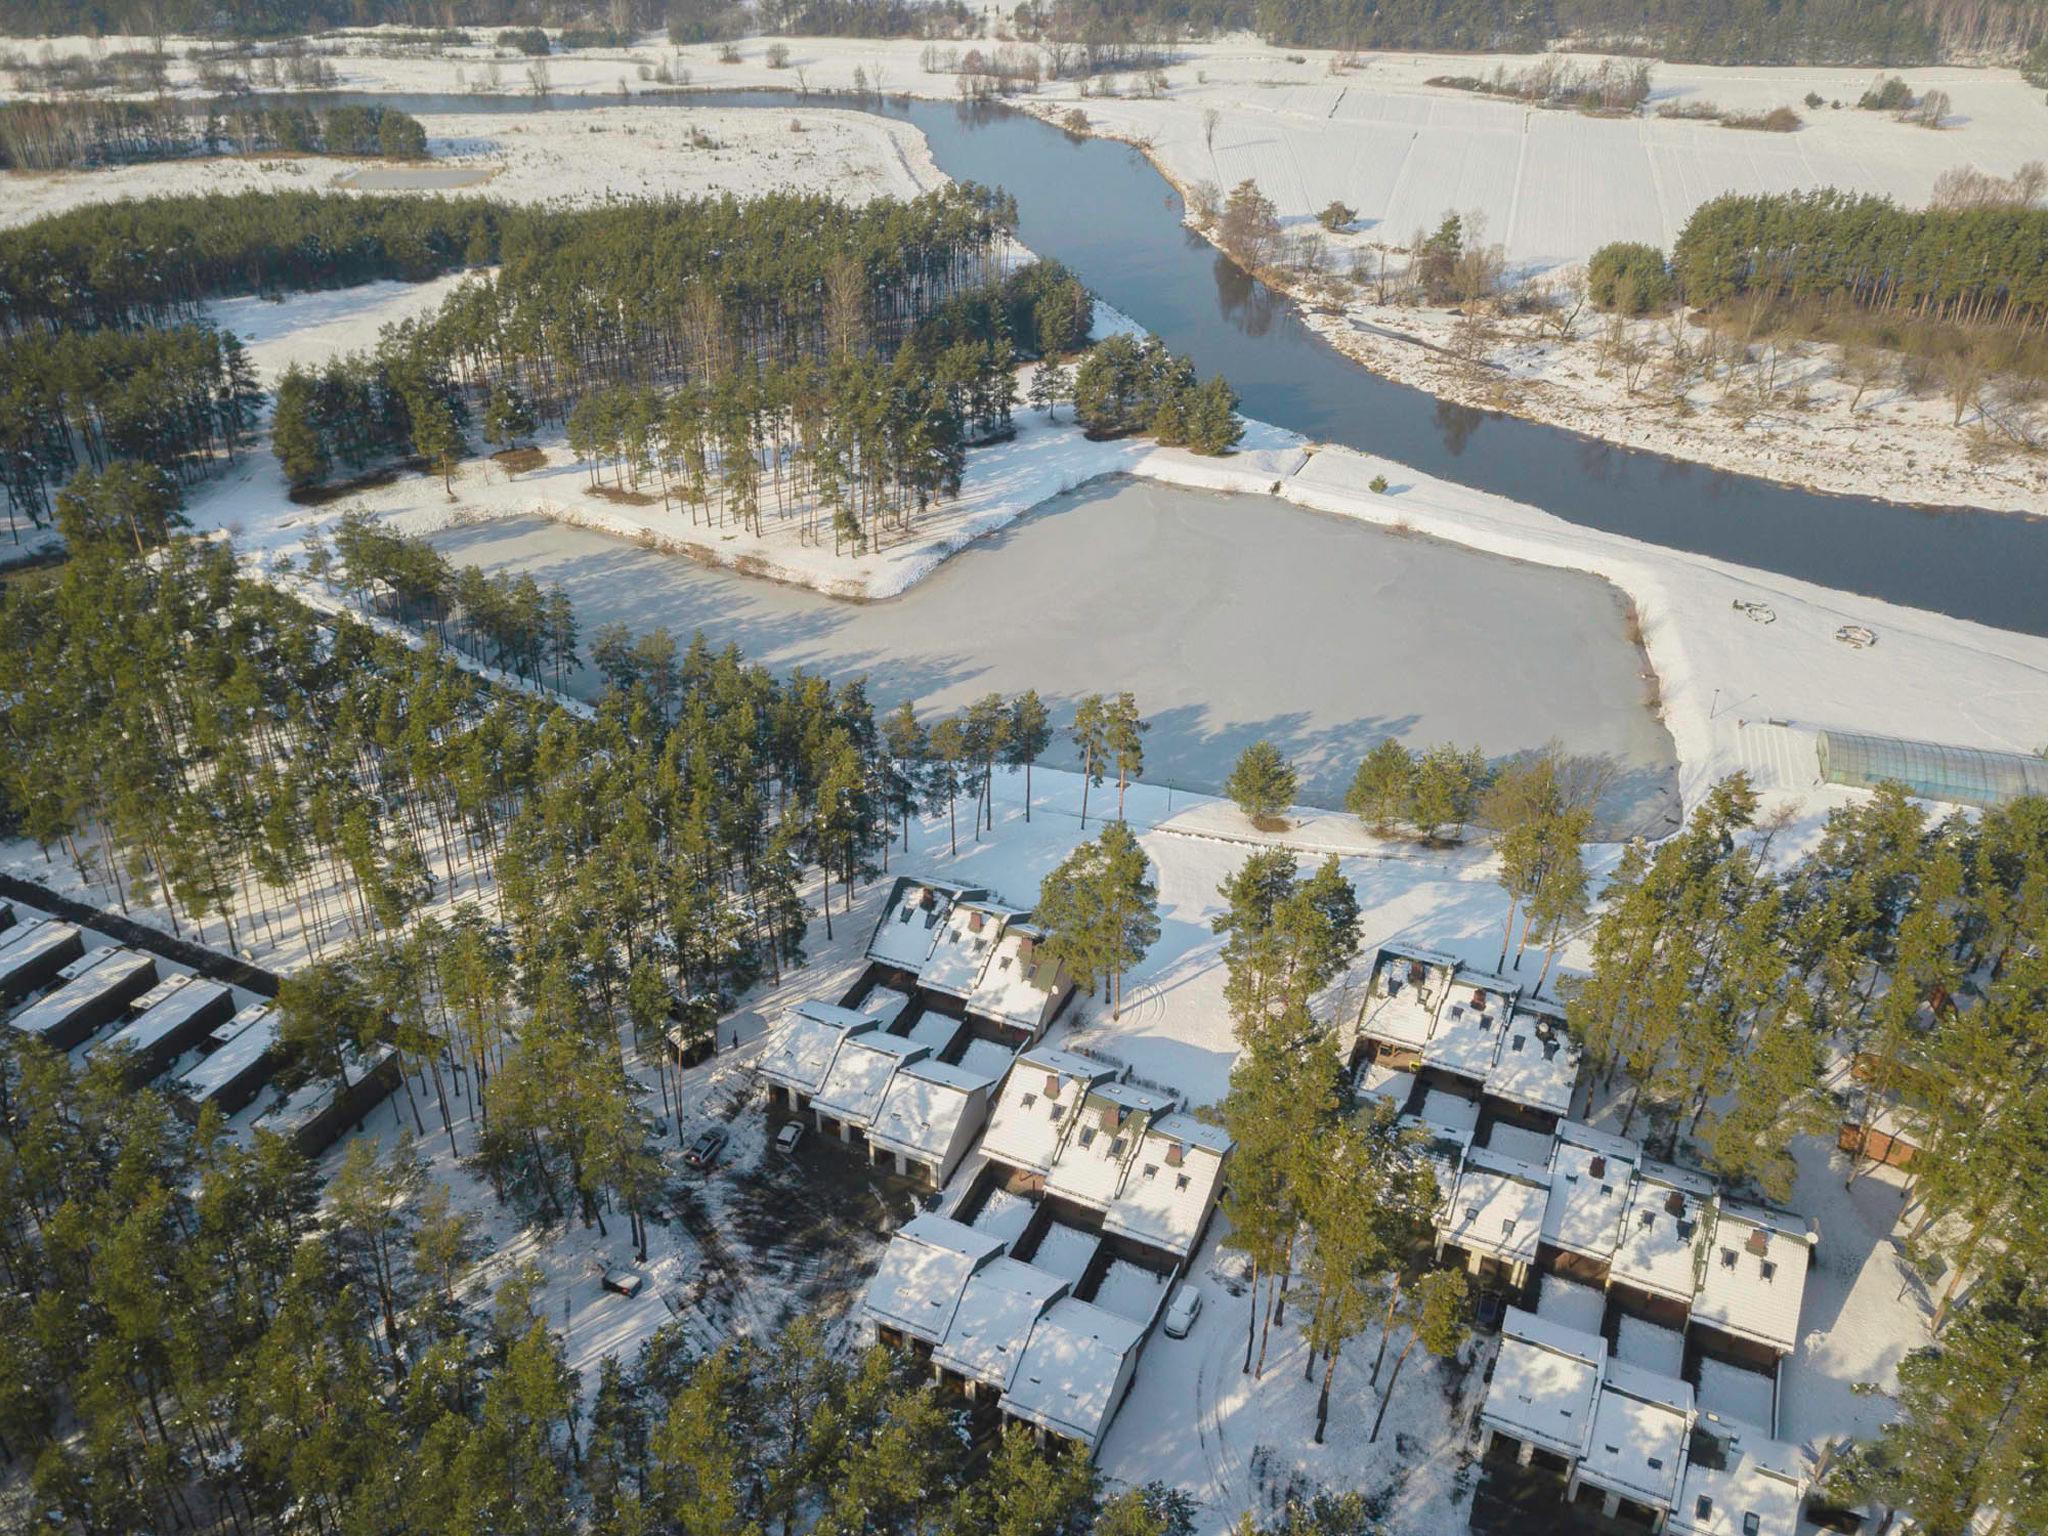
(860, 1074)
(1743, 1397)
(1004, 1215)
(1591, 1182)
(21, 933)
(1468, 1033)
(1408, 986)
(1498, 1208)
(1072, 1368)
(1649, 1346)
(1637, 1444)
(1170, 1184)
(884, 1005)
(1035, 1105)
(1544, 1382)
(1662, 1231)
(307, 1103)
(1377, 1080)
(989, 1056)
(1447, 1115)
(999, 1306)
(1089, 1166)
(1130, 1290)
(1538, 1064)
(1066, 1251)
(1446, 1159)
(1732, 1474)
(962, 947)
(1559, 1300)
(244, 1040)
(1520, 1143)
(163, 991)
(911, 922)
(799, 1053)
(86, 981)
(934, 1029)
(923, 1273)
(922, 1109)
(1755, 1276)
(1018, 984)
(173, 1011)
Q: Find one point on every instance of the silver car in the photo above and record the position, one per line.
(1182, 1311)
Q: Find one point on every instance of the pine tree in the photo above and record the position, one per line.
(1090, 736)
(1446, 791)
(1029, 734)
(1434, 1312)
(1049, 386)
(1262, 782)
(1124, 741)
(1972, 1415)
(1381, 791)
(1102, 909)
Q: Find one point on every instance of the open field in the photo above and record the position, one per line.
(565, 159)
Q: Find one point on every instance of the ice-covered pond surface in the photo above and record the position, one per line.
(1231, 618)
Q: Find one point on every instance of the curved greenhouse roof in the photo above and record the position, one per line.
(1964, 775)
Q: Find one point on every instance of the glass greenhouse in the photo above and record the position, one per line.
(1965, 775)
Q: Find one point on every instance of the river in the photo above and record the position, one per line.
(1101, 208)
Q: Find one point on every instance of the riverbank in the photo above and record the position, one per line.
(1790, 413)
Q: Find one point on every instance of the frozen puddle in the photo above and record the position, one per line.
(1230, 617)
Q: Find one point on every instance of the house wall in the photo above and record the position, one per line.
(1633, 1301)
(1572, 1266)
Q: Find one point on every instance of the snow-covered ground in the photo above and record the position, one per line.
(1734, 692)
(560, 158)
(1791, 414)
(1550, 186)
(730, 1266)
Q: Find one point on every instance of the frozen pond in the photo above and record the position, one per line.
(1231, 618)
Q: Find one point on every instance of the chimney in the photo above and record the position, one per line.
(1112, 1117)
(974, 922)
(1052, 1085)
(1675, 1203)
(1174, 1155)
(1759, 1241)
(1598, 1168)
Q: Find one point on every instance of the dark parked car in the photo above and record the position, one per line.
(703, 1152)
(1491, 1309)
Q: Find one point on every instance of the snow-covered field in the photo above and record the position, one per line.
(562, 158)
(1549, 186)
(1552, 186)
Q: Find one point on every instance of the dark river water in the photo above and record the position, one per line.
(1098, 206)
